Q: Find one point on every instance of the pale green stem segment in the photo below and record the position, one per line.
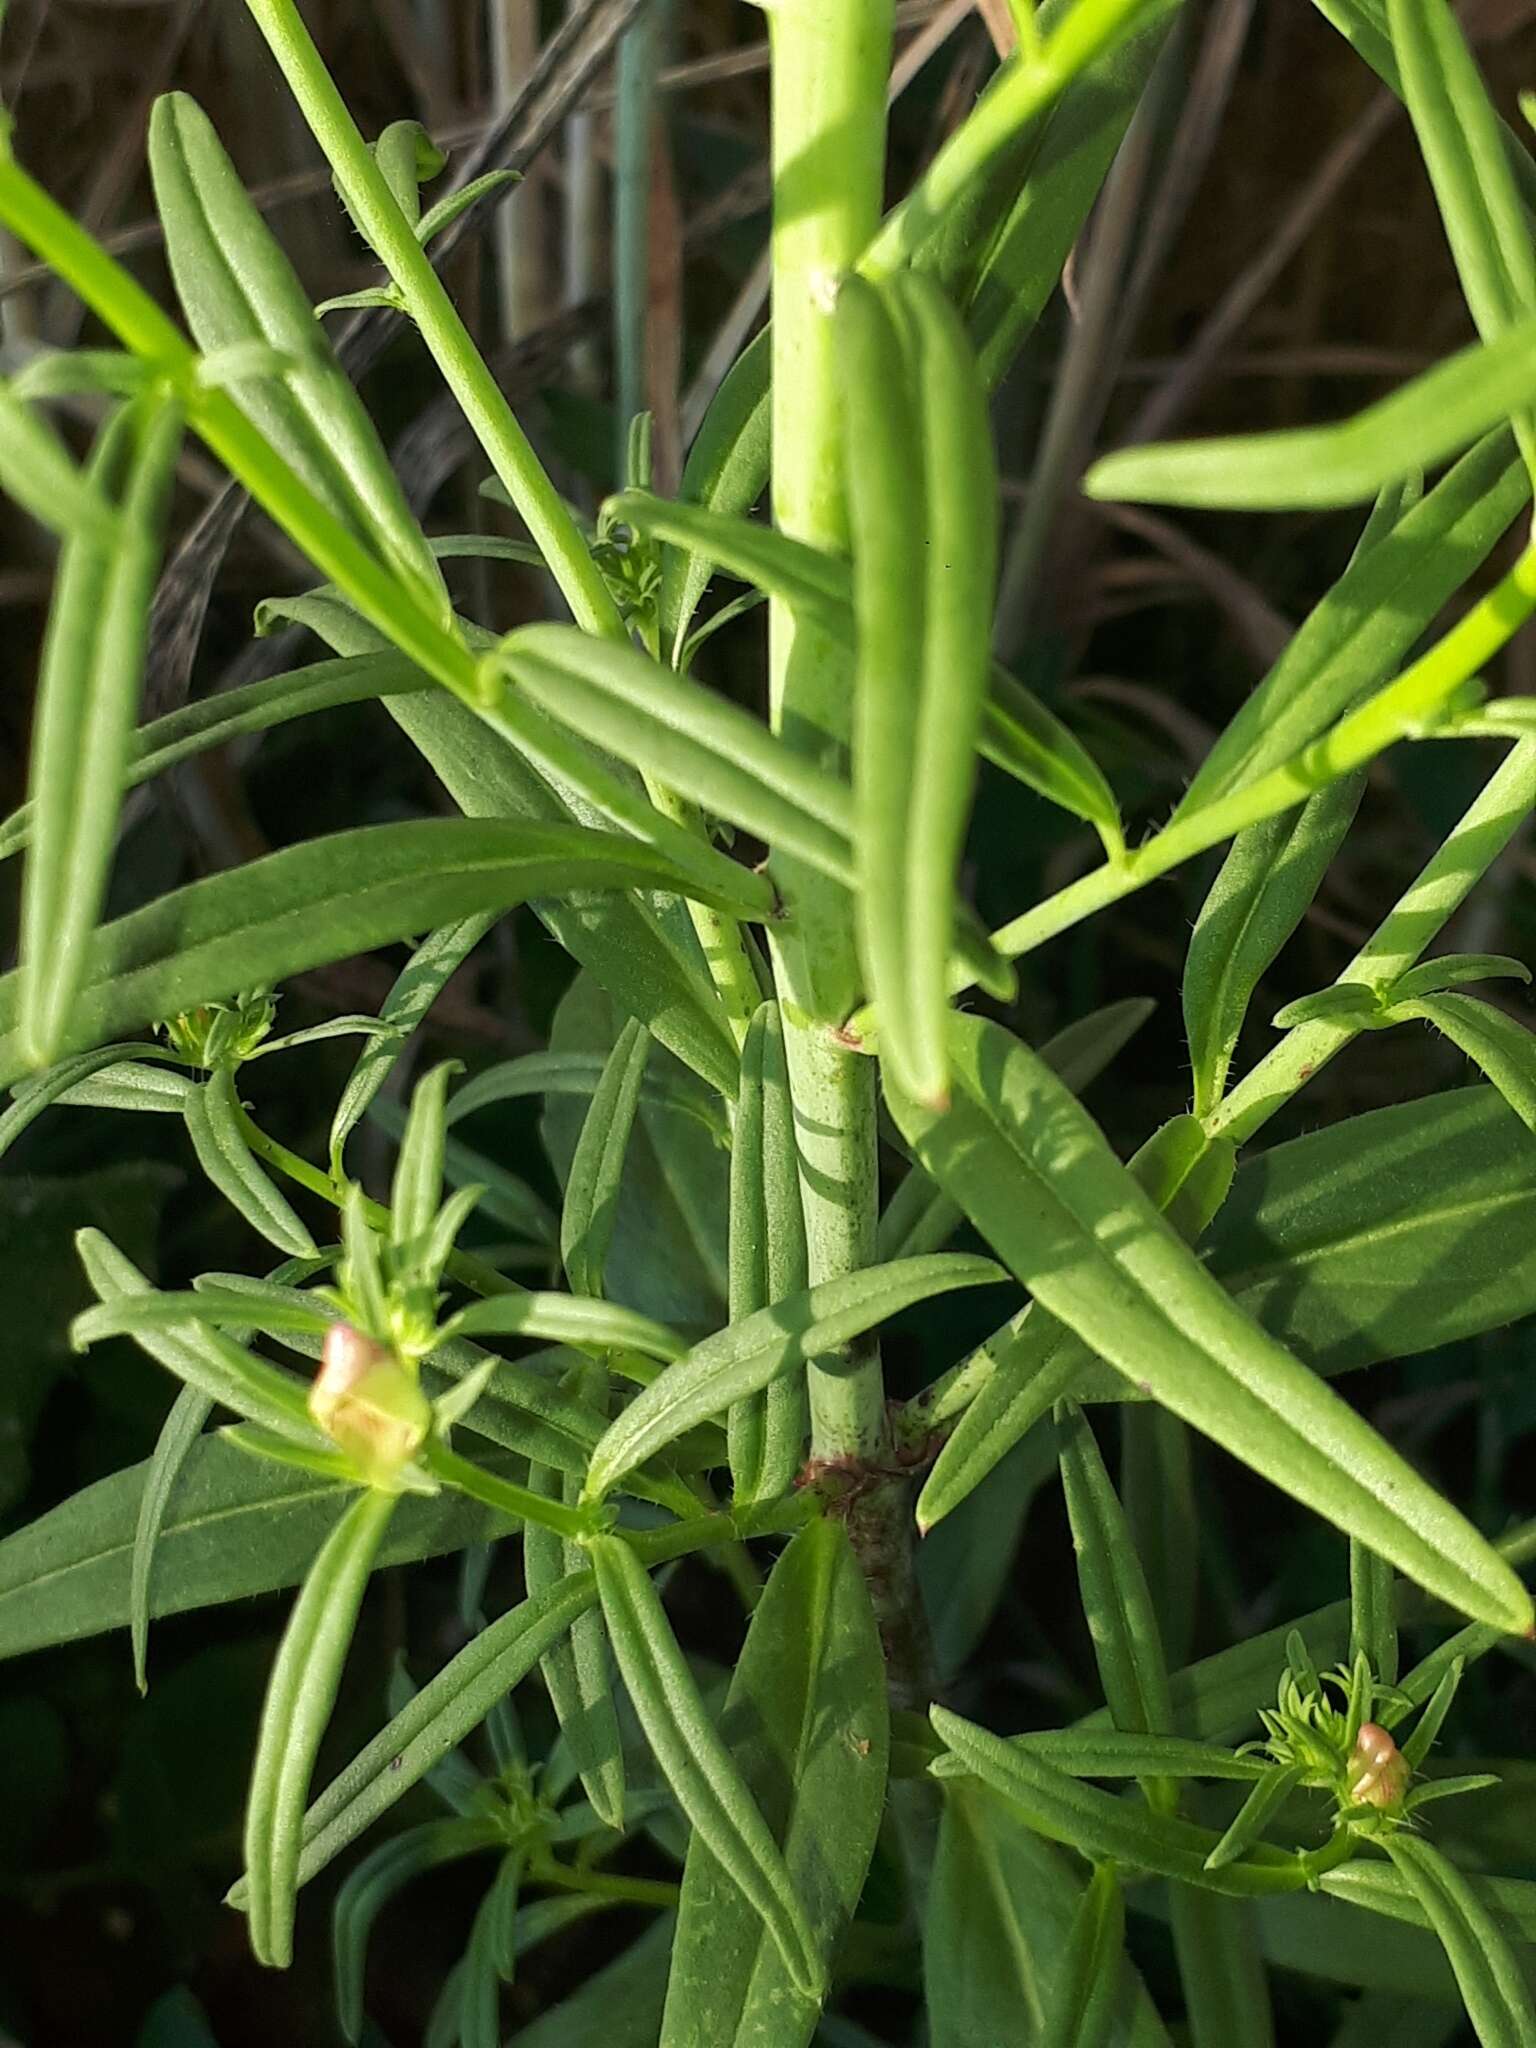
(1413, 705)
(1448, 878)
(830, 65)
(465, 370)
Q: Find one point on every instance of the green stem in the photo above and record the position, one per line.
(519, 1503)
(464, 369)
(1416, 705)
(830, 65)
(1448, 878)
(464, 1267)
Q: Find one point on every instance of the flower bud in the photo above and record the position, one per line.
(1378, 1770)
(368, 1404)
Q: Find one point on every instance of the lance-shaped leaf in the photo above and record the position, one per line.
(62, 1081)
(748, 1355)
(1034, 1173)
(1255, 1814)
(1001, 1905)
(1094, 1749)
(1082, 2005)
(1398, 578)
(417, 1188)
(688, 737)
(288, 912)
(1018, 734)
(805, 1719)
(1309, 468)
(415, 990)
(566, 1319)
(235, 1526)
(578, 1073)
(490, 1959)
(1493, 1985)
(1065, 1810)
(236, 286)
(170, 1329)
(1503, 1049)
(300, 1695)
(696, 1763)
(766, 1430)
(646, 957)
(434, 1721)
(1372, 1613)
(1034, 1359)
(93, 659)
(180, 1431)
(592, 1185)
(218, 1139)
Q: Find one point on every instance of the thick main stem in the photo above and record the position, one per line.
(830, 65)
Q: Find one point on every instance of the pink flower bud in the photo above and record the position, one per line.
(368, 1404)
(1378, 1771)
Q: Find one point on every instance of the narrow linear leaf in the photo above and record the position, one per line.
(175, 1338)
(1372, 1613)
(280, 915)
(213, 1124)
(178, 1433)
(576, 1669)
(1035, 1174)
(1105, 1828)
(92, 665)
(806, 1721)
(1493, 1987)
(1255, 1814)
(750, 1354)
(34, 1097)
(696, 1763)
(689, 738)
(592, 1186)
(371, 1886)
(1112, 1586)
(1311, 468)
(1504, 1050)
(236, 286)
(238, 713)
(1082, 2009)
(434, 1722)
(300, 1695)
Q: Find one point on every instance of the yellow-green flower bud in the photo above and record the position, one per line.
(369, 1405)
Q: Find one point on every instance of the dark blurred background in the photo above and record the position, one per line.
(1267, 253)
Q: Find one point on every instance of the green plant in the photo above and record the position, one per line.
(814, 1810)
